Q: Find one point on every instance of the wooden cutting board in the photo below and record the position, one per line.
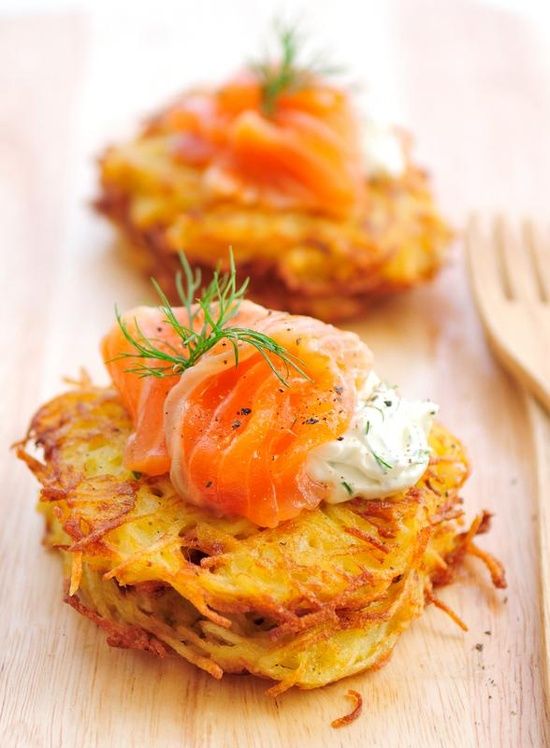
(472, 84)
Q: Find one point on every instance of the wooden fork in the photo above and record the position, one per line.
(510, 275)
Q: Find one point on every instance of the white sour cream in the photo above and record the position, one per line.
(382, 150)
(384, 450)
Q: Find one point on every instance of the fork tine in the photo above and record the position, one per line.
(518, 331)
(539, 246)
(517, 265)
(483, 261)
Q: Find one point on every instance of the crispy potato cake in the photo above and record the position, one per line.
(309, 602)
(304, 262)
(325, 210)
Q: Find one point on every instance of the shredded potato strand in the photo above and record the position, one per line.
(347, 719)
(76, 573)
(446, 609)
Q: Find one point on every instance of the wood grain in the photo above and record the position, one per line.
(472, 85)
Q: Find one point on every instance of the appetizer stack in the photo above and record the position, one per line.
(324, 212)
(248, 494)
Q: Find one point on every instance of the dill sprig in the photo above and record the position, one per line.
(209, 315)
(380, 462)
(287, 73)
(347, 486)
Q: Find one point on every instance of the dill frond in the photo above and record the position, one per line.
(288, 73)
(209, 316)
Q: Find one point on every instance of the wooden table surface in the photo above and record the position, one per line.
(473, 84)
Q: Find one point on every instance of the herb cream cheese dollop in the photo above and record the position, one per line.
(384, 450)
(382, 151)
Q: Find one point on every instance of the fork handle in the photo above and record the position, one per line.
(540, 427)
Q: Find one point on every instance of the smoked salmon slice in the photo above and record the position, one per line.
(143, 396)
(305, 154)
(233, 437)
